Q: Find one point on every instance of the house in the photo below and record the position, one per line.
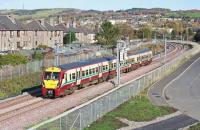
(15, 35)
(83, 35)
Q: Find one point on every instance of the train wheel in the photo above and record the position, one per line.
(80, 86)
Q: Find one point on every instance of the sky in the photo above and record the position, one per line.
(100, 4)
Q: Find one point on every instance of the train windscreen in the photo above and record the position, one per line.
(51, 76)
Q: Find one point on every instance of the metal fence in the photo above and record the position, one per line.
(82, 116)
(9, 72)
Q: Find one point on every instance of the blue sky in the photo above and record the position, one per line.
(100, 4)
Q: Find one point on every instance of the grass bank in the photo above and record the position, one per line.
(14, 86)
(195, 127)
(138, 108)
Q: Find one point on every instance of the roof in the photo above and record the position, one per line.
(92, 61)
(85, 30)
(76, 30)
(84, 63)
(36, 26)
(62, 27)
(9, 23)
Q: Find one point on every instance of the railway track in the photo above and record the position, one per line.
(26, 103)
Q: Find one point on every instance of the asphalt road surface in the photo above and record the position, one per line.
(156, 91)
(183, 92)
(170, 124)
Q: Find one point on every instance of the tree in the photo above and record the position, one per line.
(197, 36)
(126, 30)
(69, 38)
(108, 35)
(145, 32)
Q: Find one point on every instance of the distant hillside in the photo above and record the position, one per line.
(186, 13)
(36, 14)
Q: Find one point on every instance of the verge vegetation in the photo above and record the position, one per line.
(12, 59)
(138, 108)
(15, 86)
(195, 127)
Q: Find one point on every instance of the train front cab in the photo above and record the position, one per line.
(51, 82)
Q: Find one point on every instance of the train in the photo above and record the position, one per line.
(58, 81)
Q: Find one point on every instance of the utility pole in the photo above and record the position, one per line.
(57, 55)
(143, 37)
(121, 54)
(118, 63)
(155, 37)
(165, 50)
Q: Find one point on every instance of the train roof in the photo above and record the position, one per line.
(93, 61)
(85, 63)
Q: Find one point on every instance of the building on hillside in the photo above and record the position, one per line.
(117, 21)
(44, 34)
(83, 35)
(14, 35)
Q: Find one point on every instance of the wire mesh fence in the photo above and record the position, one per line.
(82, 116)
(9, 72)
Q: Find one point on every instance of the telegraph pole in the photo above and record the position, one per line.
(57, 55)
(165, 50)
(118, 63)
(121, 55)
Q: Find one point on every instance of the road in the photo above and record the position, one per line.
(183, 92)
(156, 91)
(178, 122)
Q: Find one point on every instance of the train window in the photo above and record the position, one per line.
(106, 67)
(90, 71)
(78, 74)
(115, 64)
(87, 72)
(97, 70)
(73, 76)
(93, 70)
(83, 73)
(65, 77)
(70, 76)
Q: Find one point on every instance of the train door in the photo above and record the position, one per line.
(78, 75)
(100, 70)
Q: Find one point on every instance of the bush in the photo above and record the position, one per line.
(38, 55)
(42, 47)
(12, 59)
(15, 86)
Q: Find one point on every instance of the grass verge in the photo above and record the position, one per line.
(15, 86)
(138, 108)
(195, 127)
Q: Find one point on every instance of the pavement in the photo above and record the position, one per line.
(180, 90)
(155, 93)
(183, 92)
(173, 123)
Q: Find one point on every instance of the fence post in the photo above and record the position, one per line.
(80, 120)
(1, 76)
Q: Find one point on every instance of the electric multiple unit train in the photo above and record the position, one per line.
(65, 79)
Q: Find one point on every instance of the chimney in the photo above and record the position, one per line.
(51, 21)
(11, 18)
(60, 20)
(41, 22)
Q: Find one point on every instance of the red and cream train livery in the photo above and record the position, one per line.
(64, 79)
